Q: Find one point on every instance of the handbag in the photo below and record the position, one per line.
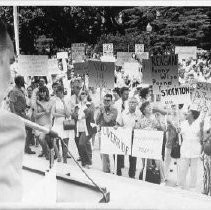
(69, 124)
(152, 175)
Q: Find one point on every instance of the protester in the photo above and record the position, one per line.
(106, 117)
(84, 116)
(61, 112)
(42, 114)
(190, 148)
(130, 119)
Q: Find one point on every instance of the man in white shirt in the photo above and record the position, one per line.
(12, 131)
(130, 118)
(121, 105)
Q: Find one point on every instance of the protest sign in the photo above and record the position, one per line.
(62, 55)
(78, 52)
(53, 67)
(101, 74)
(132, 69)
(108, 49)
(186, 52)
(123, 57)
(81, 68)
(164, 72)
(175, 95)
(108, 58)
(139, 48)
(146, 72)
(33, 65)
(116, 141)
(142, 55)
(202, 96)
(147, 144)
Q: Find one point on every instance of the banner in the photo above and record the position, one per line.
(186, 52)
(146, 72)
(33, 65)
(123, 57)
(101, 74)
(53, 67)
(78, 52)
(164, 72)
(202, 97)
(81, 68)
(139, 48)
(116, 141)
(108, 49)
(108, 58)
(147, 144)
(175, 95)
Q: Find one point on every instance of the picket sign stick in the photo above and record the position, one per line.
(115, 164)
(145, 169)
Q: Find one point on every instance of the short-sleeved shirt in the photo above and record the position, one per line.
(17, 97)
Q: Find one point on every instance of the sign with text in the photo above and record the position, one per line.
(147, 144)
(108, 49)
(132, 69)
(62, 55)
(101, 74)
(78, 52)
(175, 95)
(33, 65)
(202, 96)
(116, 141)
(142, 55)
(108, 58)
(186, 52)
(81, 68)
(164, 72)
(53, 67)
(139, 48)
(123, 57)
(146, 72)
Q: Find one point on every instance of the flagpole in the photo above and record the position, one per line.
(16, 29)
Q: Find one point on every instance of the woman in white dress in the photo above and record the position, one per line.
(61, 112)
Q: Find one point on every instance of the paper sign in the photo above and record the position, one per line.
(132, 69)
(108, 58)
(123, 57)
(78, 52)
(108, 49)
(175, 95)
(186, 52)
(147, 144)
(164, 72)
(53, 66)
(62, 55)
(147, 72)
(139, 48)
(142, 55)
(33, 65)
(202, 97)
(101, 74)
(116, 141)
(81, 68)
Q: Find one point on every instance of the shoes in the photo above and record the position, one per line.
(65, 161)
(30, 152)
(59, 159)
(87, 166)
(79, 159)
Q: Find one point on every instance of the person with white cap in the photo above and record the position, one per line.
(12, 131)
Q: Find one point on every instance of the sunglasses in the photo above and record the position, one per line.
(107, 100)
(83, 93)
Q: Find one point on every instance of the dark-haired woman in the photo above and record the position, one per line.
(151, 121)
(190, 148)
(42, 114)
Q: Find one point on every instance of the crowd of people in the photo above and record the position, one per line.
(133, 107)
